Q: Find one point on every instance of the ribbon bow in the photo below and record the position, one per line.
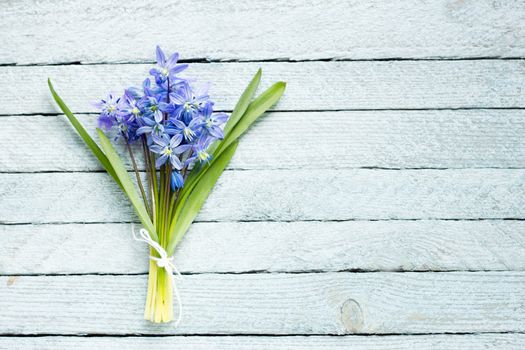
(165, 262)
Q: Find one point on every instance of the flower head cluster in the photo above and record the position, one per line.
(169, 114)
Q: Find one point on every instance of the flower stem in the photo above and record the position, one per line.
(139, 181)
(159, 300)
(150, 176)
(166, 204)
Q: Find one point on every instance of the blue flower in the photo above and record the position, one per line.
(213, 121)
(186, 103)
(176, 117)
(190, 131)
(131, 110)
(166, 68)
(200, 152)
(161, 90)
(109, 110)
(125, 128)
(139, 93)
(169, 149)
(177, 181)
(150, 106)
(154, 129)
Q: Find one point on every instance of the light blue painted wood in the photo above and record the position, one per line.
(419, 342)
(272, 247)
(98, 31)
(318, 303)
(385, 139)
(282, 195)
(314, 85)
(305, 173)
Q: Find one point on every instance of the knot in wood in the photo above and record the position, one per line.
(352, 316)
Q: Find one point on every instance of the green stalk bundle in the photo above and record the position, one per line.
(166, 215)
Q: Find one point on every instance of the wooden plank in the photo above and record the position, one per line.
(417, 342)
(387, 139)
(282, 195)
(271, 247)
(327, 303)
(311, 85)
(260, 30)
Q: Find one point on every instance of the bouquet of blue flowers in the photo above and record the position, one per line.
(185, 146)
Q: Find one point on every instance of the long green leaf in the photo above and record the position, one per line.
(254, 111)
(243, 103)
(198, 196)
(97, 152)
(127, 184)
(236, 115)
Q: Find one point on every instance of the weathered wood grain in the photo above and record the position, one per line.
(416, 342)
(259, 30)
(387, 139)
(271, 247)
(282, 195)
(311, 85)
(328, 303)
(448, 219)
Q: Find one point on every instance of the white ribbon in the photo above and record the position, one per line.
(165, 262)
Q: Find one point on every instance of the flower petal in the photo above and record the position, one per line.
(175, 140)
(161, 59)
(220, 117)
(143, 129)
(156, 149)
(161, 160)
(177, 98)
(178, 124)
(181, 149)
(177, 181)
(158, 116)
(178, 68)
(217, 132)
(175, 162)
(173, 60)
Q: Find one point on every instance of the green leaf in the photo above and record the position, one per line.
(254, 111)
(127, 184)
(236, 115)
(243, 103)
(198, 196)
(84, 134)
(110, 161)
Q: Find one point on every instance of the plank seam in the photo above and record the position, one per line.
(267, 220)
(281, 168)
(276, 60)
(267, 272)
(309, 110)
(125, 335)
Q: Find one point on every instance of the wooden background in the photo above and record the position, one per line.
(379, 205)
